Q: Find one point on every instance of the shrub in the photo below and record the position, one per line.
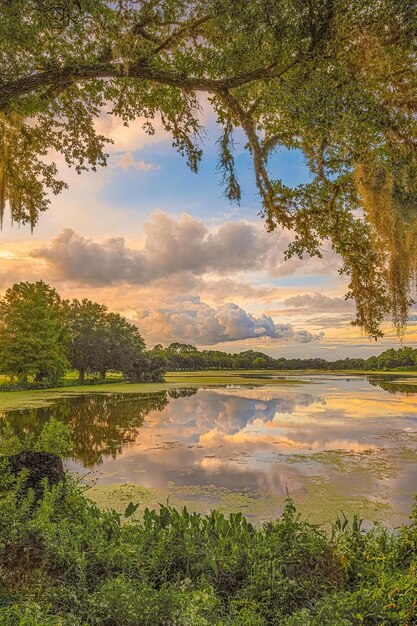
(55, 437)
(65, 560)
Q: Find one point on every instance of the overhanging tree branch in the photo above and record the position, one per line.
(269, 197)
(57, 77)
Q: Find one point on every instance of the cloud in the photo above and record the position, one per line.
(316, 303)
(127, 160)
(331, 321)
(194, 321)
(171, 247)
(329, 264)
(132, 136)
(225, 289)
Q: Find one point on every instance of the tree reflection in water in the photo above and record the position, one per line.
(183, 392)
(393, 384)
(101, 423)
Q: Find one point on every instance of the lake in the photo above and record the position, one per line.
(332, 442)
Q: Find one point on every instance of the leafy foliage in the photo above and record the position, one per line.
(335, 79)
(54, 436)
(102, 341)
(41, 335)
(180, 356)
(86, 324)
(405, 357)
(32, 333)
(64, 559)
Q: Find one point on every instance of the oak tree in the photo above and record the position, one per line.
(33, 338)
(86, 323)
(335, 79)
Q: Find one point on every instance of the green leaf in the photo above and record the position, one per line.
(130, 509)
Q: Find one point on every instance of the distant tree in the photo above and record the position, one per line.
(215, 359)
(183, 356)
(406, 356)
(148, 366)
(86, 323)
(344, 364)
(371, 363)
(120, 345)
(181, 348)
(102, 341)
(33, 339)
(393, 359)
(259, 362)
(244, 360)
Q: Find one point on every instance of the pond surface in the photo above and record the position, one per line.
(332, 442)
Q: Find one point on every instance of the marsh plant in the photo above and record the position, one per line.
(65, 562)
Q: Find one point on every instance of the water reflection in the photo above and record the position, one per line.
(102, 424)
(352, 433)
(394, 384)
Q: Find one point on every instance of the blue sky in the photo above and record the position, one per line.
(174, 186)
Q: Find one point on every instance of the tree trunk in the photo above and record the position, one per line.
(23, 379)
(81, 376)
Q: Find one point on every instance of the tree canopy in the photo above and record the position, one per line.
(33, 337)
(333, 78)
(86, 328)
(42, 335)
(186, 357)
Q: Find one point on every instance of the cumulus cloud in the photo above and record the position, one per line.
(170, 247)
(194, 321)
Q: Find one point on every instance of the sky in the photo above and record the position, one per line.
(166, 249)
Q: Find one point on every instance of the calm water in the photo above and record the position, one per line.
(332, 442)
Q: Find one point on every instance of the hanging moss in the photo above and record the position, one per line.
(389, 198)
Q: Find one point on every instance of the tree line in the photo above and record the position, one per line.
(186, 357)
(405, 357)
(42, 335)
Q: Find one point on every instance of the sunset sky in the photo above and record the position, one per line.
(163, 247)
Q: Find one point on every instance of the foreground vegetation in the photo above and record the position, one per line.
(65, 562)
